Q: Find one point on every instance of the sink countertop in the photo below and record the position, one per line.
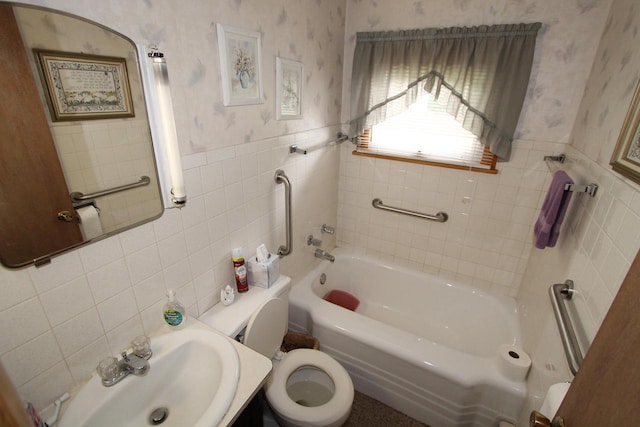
(254, 370)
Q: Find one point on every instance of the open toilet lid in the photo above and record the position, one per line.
(266, 327)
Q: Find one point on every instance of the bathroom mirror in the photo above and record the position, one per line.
(72, 120)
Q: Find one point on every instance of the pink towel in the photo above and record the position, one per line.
(547, 228)
(343, 299)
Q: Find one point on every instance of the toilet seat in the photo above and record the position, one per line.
(264, 333)
(336, 410)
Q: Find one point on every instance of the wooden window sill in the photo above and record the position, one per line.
(424, 162)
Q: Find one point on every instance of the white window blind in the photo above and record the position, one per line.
(426, 131)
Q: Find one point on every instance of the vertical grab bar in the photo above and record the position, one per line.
(281, 177)
(559, 293)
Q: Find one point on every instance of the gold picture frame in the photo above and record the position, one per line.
(84, 87)
(626, 156)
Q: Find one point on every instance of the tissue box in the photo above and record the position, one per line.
(263, 274)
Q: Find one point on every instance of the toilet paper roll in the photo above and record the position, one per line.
(553, 399)
(90, 224)
(513, 362)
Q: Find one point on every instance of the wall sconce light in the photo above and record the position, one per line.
(163, 129)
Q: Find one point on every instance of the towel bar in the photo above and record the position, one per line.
(340, 137)
(559, 158)
(590, 189)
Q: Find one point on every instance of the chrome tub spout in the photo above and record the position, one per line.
(319, 253)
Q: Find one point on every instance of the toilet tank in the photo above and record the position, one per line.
(232, 319)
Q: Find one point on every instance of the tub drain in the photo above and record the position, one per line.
(158, 416)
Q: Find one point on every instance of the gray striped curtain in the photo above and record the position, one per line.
(485, 68)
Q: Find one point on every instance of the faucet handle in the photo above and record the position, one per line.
(141, 346)
(313, 241)
(108, 368)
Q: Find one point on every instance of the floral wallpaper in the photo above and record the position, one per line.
(614, 75)
(564, 51)
(306, 31)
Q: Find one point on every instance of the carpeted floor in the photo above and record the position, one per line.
(371, 413)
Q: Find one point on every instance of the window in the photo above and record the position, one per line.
(426, 133)
(484, 69)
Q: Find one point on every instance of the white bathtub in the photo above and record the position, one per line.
(422, 345)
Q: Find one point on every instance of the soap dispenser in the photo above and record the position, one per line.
(174, 312)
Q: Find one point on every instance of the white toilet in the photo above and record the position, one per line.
(306, 387)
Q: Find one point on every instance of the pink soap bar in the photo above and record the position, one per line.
(343, 299)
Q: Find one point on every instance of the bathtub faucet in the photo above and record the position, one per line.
(319, 253)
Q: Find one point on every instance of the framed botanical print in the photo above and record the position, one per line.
(289, 82)
(240, 62)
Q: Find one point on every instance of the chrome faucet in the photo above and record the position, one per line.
(112, 370)
(134, 364)
(319, 253)
(326, 229)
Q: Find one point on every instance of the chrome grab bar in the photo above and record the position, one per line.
(77, 196)
(281, 177)
(438, 217)
(559, 294)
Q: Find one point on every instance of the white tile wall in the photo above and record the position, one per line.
(597, 247)
(62, 318)
(102, 155)
(595, 251)
(488, 238)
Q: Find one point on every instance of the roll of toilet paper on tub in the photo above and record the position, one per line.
(553, 399)
(90, 224)
(513, 362)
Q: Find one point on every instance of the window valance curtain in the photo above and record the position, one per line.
(485, 71)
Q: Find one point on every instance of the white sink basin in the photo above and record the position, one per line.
(194, 375)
